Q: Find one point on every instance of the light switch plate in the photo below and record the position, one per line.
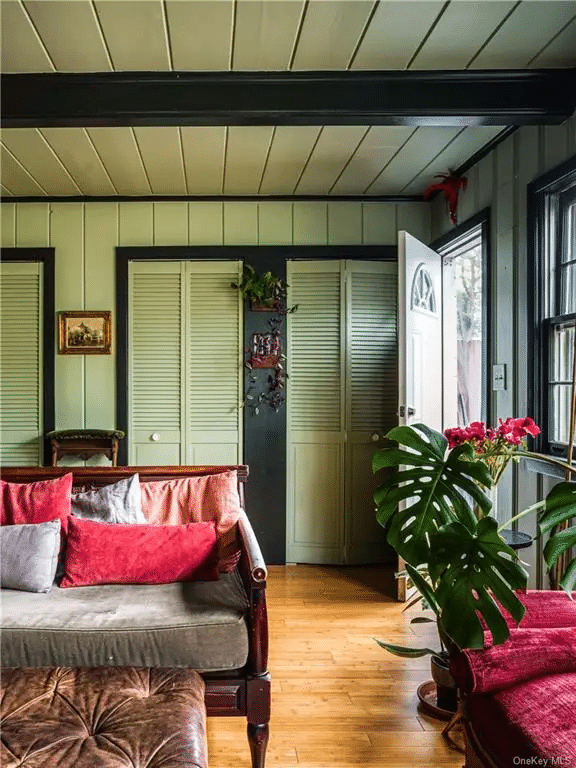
(498, 377)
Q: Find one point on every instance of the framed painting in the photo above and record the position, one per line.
(84, 333)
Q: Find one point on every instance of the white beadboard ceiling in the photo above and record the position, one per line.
(158, 35)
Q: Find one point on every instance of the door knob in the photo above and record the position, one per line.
(155, 437)
(375, 437)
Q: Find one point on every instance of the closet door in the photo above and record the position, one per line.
(372, 395)
(156, 374)
(315, 403)
(185, 367)
(342, 397)
(21, 418)
(214, 365)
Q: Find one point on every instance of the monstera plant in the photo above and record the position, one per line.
(454, 554)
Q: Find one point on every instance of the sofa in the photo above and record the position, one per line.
(217, 627)
(518, 699)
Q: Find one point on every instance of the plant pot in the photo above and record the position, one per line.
(446, 691)
(256, 307)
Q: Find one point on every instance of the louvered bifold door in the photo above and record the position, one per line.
(315, 523)
(214, 364)
(157, 322)
(21, 419)
(371, 395)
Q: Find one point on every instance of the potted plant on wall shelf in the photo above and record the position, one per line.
(265, 292)
(454, 553)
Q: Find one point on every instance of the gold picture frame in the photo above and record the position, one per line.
(85, 333)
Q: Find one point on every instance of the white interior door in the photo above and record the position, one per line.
(420, 386)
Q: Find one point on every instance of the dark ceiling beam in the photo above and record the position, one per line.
(457, 98)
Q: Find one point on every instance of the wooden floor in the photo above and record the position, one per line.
(338, 700)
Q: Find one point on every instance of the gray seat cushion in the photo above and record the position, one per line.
(200, 625)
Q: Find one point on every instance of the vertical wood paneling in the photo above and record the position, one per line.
(505, 161)
(101, 238)
(310, 223)
(240, 223)
(344, 224)
(205, 224)
(275, 223)
(379, 223)
(170, 223)
(8, 217)
(555, 144)
(486, 181)
(33, 225)
(467, 202)
(135, 224)
(415, 219)
(67, 237)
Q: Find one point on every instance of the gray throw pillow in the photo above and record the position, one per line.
(117, 503)
(29, 555)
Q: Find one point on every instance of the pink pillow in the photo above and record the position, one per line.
(108, 553)
(36, 502)
(192, 499)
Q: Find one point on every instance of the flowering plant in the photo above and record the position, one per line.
(494, 446)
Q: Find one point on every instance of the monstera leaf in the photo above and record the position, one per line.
(433, 482)
(471, 570)
(560, 508)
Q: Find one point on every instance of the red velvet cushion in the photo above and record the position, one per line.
(528, 653)
(36, 502)
(105, 553)
(535, 719)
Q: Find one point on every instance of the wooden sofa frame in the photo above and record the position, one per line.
(246, 693)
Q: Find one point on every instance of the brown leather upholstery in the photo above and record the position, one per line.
(113, 717)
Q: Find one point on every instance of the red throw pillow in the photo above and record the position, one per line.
(107, 553)
(36, 502)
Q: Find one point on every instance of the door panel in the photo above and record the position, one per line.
(419, 341)
(185, 374)
(372, 384)
(21, 418)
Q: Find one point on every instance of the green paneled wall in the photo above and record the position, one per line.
(500, 180)
(86, 234)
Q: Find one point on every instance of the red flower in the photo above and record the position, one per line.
(527, 425)
(455, 436)
(476, 431)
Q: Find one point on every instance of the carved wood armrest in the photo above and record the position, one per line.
(254, 560)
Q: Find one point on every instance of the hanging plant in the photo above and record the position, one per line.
(265, 292)
(266, 392)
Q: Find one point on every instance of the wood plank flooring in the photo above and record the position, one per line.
(338, 700)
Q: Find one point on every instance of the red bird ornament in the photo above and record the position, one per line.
(450, 186)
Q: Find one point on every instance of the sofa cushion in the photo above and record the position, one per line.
(36, 502)
(193, 499)
(197, 624)
(532, 720)
(119, 502)
(29, 555)
(104, 553)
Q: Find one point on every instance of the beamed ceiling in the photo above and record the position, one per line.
(75, 36)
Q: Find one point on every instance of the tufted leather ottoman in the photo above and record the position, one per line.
(112, 717)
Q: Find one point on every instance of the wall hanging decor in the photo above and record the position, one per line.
(450, 186)
(84, 333)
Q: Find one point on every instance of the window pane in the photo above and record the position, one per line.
(568, 289)
(463, 343)
(559, 420)
(569, 226)
(562, 353)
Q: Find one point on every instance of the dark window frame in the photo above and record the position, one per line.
(47, 257)
(546, 197)
(456, 237)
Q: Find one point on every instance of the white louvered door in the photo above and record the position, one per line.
(21, 418)
(185, 363)
(342, 392)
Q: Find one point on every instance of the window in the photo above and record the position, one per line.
(552, 221)
(465, 285)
